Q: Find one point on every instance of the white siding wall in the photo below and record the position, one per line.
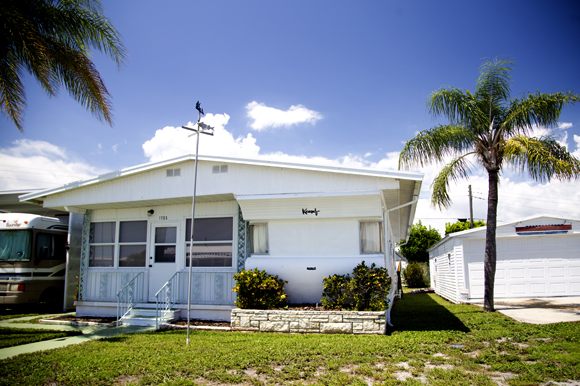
(326, 206)
(326, 246)
(447, 270)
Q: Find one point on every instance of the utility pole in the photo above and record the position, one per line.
(470, 209)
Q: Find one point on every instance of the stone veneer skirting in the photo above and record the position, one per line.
(314, 322)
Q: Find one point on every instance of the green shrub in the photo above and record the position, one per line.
(414, 276)
(366, 290)
(335, 291)
(258, 290)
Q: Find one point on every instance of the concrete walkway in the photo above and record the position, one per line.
(539, 310)
(89, 333)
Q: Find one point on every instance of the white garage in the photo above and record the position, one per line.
(536, 257)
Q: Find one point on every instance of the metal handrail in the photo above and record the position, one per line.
(128, 292)
(171, 290)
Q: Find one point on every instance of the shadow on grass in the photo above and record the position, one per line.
(420, 312)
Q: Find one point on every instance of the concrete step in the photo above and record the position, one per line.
(146, 317)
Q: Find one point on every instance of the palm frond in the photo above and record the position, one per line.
(12, 97)
(52, 40)
(434, 144)
(455, 170)
(494, 80)
(544, 158)
(537, 109)
(456, 105)
(79, 76)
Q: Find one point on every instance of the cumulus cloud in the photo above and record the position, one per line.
(265, 117)
(171, 142)
(564, 125)
(28, 164)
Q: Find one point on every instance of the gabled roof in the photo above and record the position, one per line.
(414, 176)
(500, 225)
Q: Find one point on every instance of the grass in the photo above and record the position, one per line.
(10, 337)
(5, 315)
(418, 351)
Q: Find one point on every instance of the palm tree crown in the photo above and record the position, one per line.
(52, 39)
(493, 129)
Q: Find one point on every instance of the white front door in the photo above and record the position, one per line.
(164, 255)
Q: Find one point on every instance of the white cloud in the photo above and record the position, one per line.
(115, 147)
(564, 125)
(265, 117)
(576, 153)
(28, 164)
(171, 142)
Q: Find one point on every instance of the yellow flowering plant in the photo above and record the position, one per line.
(258, 290)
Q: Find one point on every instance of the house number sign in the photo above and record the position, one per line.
(306, 211)
(163, 218)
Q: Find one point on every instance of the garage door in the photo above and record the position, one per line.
(527, 266)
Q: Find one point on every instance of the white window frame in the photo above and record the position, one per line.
(252, 239)
(104, 244)
(233, 242)
(381, 238)
(117, 244)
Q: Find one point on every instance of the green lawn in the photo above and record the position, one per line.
(10, 337)
(420, 349)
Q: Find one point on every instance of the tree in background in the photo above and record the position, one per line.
(492, 129)
(421, 238)
(462, 226)
(52, 40)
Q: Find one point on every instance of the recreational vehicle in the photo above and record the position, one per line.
(32, 259)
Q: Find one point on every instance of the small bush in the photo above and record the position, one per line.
(258, 290)
(335, 291)
(370, 287)
(366, 290)
(414, 276)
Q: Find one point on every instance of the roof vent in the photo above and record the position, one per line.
(219, 169)
(173, 172)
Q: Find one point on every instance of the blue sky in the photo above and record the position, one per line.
(337, 82)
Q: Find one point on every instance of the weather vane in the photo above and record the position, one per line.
(198, 108)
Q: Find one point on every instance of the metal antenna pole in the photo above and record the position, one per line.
(201, 129)
(470, 208)
(191, 234)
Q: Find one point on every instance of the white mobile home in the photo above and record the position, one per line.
(536, 257)
(301, 222)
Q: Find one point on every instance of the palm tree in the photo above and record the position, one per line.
(51, 40)
(489, 129)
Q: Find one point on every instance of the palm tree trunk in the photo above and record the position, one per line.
(490, 245)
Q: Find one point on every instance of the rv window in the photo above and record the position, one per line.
(15, 245)
(55, 246)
